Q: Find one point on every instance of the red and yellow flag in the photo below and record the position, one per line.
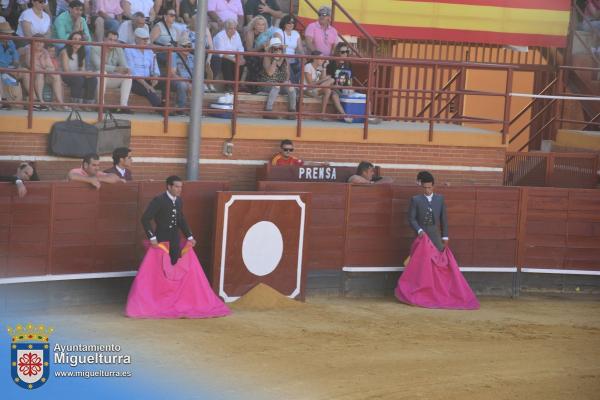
(516, 22)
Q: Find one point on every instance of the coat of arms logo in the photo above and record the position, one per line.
(30, 355)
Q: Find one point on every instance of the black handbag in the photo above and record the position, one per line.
(73, 137)
(112, 133)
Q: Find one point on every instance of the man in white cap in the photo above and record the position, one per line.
(276, 70)
(320, 35)
(143, 66)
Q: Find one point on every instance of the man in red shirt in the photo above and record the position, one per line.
(89, 172)
(284, 157)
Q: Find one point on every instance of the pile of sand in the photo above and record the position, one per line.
(264, 297)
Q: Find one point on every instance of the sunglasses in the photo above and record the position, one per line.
(287, 149)
(344, 51)
(277, 51)
(172, 15)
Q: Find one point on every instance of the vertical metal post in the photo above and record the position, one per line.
(300, 109)
(167, 108)
(102, 79)
(195, 125)
(368, 101)
(507, 101)
(432, 101)
(236, 100)
(31, 86)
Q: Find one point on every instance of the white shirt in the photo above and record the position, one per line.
(314, 74)
(291, 42)
(38, 25)
(173, 198)
(121, 171)
(223, 42)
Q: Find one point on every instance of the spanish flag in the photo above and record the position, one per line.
(517, 22)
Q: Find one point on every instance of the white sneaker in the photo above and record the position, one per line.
(348, 120)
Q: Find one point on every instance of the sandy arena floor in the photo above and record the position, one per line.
(338, 348)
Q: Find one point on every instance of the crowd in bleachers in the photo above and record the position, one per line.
(233, 25)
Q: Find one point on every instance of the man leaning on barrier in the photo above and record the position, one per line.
(89, 172)
(24, 173)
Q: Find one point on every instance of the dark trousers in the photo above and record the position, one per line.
(225, 66)
(152, 97)
(82, 87)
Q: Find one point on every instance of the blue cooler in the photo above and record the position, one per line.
(354, 103)
(224, 103)
(227, 110)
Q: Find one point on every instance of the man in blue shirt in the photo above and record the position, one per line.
(9, 58)
(143, 65)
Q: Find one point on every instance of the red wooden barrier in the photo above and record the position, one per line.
(66, 228)
(489, 227)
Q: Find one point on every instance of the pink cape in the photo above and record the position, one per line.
(162, 290)
(432, 279)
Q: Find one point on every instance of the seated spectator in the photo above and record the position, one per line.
(269, 9)
(314, 74)
(183, 68)
(25, 172)
(164, 33)
(62, 6)
(121, 163)
(293, 45)
(34, 21)
(143, 65)
(71, 21)
(256, 39)
(89, 172)
(365, 173)
(8, 9)
(73, 59)
(132, 7)
(259, 34)
(341, 71)
(108, 17)
(10, 89)
(115, 63)
(162, 7)
(220, 11)
(227, 40)
(284, 157)
(127, 28)
(43, 63)
(187, 11)
(276, 70)
(320, 35)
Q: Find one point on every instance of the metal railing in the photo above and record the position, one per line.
(427, 102)
(577, 170)
(548, 110)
